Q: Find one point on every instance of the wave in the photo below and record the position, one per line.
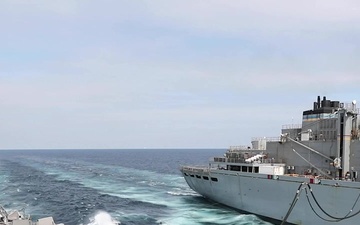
(103, 218)
(115, 181)
(72, 190)
(175, 193)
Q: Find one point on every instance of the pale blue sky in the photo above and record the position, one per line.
(169, 74)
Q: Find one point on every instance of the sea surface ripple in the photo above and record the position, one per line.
(103, 187)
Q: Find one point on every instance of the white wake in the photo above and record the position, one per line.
(103, 218)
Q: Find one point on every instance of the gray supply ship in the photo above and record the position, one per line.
(308, 175)
(18, 217)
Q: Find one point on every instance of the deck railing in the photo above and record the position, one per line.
(351, 107)
(268, 139)
(195, 169)
(291, 126)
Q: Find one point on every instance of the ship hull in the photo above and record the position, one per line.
(272, 196)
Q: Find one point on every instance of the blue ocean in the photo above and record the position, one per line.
(101, 187)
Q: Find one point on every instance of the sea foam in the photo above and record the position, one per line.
(103, 218)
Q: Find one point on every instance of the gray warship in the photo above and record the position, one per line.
(308, 175)
(18, 217)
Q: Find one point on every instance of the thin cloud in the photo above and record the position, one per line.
(111, 73)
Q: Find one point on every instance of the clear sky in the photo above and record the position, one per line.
(169, 73)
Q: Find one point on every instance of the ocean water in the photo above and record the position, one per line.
(102, 187)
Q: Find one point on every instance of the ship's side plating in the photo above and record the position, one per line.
(271, 196)
(320, 160)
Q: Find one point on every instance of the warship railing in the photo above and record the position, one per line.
(195, 169)
(351, 107)
(268, 139)
(239, 148)
(218, 159)
(292, 126)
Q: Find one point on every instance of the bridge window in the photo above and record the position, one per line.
(235, 168)
(244, 169)
(214, 179)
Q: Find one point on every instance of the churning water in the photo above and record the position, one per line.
(103, 187)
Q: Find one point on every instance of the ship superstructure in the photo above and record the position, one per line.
(18, 217)
(308, 175)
